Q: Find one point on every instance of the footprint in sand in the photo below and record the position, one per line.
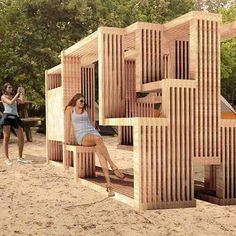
(38, 223)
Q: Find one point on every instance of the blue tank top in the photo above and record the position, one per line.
(10, 108)
(82, 125)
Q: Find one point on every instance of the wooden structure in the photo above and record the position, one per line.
(178, 65)
(28, 121)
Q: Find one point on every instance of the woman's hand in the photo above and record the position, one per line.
(21, 90)
(21, 93)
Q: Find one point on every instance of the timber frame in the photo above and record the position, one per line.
(178, 65)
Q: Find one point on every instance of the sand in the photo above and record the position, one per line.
(40, 199)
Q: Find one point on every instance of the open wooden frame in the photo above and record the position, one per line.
(178, 64)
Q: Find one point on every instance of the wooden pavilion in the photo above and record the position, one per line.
(176, 126)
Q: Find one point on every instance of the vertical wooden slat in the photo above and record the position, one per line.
(153, 55)
(187, 138)
(149, 164)
(144, 161)
(227, 163)
(205, 84)
(191, 151)
(173, 143)
(200, 95)
(156, 49)
(210, 87)
(218, 87)
(164, 163)
(116, 73)
(143, 56)
(182, 133)
(149, 59)
(160, 54)
(159, 163)
(121, 78)
(110, 76)
(231, 138)
(105, 74)
(180, 60)
(177, 68)
(214, 88)
(178, 142)
(154, 165)
(223, 151)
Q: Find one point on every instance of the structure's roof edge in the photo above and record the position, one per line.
(81, 43)
(55, 70)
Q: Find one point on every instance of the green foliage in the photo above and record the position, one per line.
(32, 35)
(213, 5)
(228, 49)
(228, 58)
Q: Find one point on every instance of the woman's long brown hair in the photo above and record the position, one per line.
(73, 101)
(4, 88)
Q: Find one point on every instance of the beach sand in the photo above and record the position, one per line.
(40, 199)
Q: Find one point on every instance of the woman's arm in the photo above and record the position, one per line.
(67, 124)
(9, 101)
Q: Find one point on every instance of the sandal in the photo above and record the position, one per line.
(110, 191)
(118, 173)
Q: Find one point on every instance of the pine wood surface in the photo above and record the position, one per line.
(175, 65)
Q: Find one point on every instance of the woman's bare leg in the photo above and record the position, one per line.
(6, 137)
(20, 136)
(91, 140)
(102, 150)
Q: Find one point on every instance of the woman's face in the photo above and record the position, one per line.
(80, 102)
(9, 89)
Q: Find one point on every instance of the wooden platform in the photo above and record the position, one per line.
(207, 195)
(125, 187)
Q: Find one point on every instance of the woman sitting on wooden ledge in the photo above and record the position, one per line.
(87, 135)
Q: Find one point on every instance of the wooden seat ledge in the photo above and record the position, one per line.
(79, 148)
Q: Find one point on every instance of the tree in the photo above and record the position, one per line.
(31, 42)
(212, 5)
(228, 58)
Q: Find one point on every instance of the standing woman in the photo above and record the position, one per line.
(87, 135)
(10, 120)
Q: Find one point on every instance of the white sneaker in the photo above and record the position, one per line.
(22, 160)
(8, 162)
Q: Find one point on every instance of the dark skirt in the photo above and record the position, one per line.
(12, 120)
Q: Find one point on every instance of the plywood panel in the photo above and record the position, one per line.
(55, 115)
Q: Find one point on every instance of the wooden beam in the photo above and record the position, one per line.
(189, 16)
(55, 70)
(86, 42)
(134, 121)
(150, 98)
(178, 83)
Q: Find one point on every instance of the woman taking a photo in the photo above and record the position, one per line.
(10, 120)
(86, 135)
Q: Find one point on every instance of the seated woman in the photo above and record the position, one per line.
(87, 135)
